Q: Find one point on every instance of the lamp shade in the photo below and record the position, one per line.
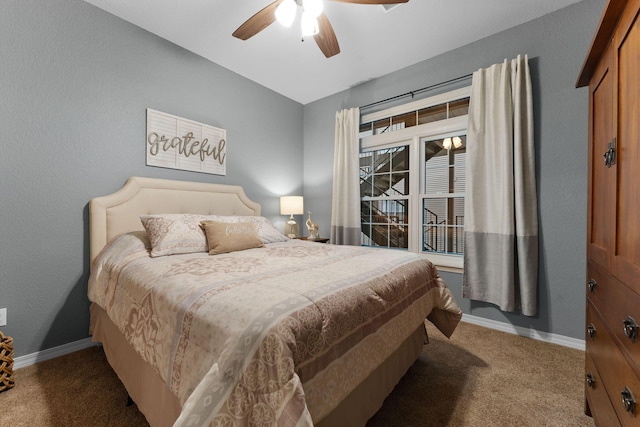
(309, 25)
(291, 205)
(286, 12)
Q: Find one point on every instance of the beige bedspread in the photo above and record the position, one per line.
(235, 336)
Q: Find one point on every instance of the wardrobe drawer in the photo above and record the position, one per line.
(599, 403)
(620, 308)
(620, 382)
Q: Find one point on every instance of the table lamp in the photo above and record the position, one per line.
(291, 205)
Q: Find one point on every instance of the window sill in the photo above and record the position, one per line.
(457, 270)
(449, 263)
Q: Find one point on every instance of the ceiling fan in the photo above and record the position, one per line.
(313, 21)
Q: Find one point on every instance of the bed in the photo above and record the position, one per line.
(286, 332)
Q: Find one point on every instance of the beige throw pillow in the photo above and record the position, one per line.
(223, 237)
(267, 232)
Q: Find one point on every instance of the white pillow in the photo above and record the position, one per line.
(172, 234)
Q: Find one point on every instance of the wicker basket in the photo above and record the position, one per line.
(6, 363)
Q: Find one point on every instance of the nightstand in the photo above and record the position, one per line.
(318, 240)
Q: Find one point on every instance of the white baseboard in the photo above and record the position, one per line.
(526, 332)
(50, 353)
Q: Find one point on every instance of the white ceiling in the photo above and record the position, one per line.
(373, 41)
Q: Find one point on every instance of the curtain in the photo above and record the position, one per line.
(501, 223)
(345, 200)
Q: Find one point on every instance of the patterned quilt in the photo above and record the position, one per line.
(236, 336)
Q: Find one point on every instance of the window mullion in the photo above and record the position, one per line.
(415, 240)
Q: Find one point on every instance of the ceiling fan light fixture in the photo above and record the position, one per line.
(286, 12)
(313, 7)
(309, 24)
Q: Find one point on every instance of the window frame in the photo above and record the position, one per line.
(398, 197)
(413, 137)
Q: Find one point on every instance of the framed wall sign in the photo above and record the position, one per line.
(177, 143)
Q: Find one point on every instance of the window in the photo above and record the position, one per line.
(443, 196)
(412, 171)
(384, 186)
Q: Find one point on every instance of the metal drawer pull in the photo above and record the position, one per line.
(592, 285)
(610, 154)
(591, 330)
(590, 380)
(628, 401)
(630, 328)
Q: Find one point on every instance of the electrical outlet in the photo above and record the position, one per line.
(3, 316)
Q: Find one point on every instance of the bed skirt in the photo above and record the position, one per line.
(162, 408)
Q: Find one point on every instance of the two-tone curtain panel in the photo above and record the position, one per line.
(345, 200)
(501, 220)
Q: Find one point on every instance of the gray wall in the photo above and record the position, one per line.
(556, 44)
(74, 85)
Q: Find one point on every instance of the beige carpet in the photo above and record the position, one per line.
(478, 378)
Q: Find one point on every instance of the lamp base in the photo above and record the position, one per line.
(291, 228)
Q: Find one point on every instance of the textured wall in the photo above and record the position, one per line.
(74, 85)
(556, 44)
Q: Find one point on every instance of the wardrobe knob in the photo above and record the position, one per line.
(630, 328)
(590, 380)
(591, 331)
(592, 285)
(628, 401)
(610, 154)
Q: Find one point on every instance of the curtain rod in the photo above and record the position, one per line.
(414, 92)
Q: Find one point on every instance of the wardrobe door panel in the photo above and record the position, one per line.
(600, 213)
(626, 257)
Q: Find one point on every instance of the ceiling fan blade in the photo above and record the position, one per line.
(373, 1)
(326, 37)
(257, 22)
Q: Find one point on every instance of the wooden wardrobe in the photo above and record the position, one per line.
(612, 359)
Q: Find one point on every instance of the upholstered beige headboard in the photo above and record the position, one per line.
(120, 212)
